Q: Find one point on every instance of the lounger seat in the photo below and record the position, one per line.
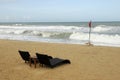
(57, 61)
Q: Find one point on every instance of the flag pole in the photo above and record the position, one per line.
(90, 23)
(89, 35)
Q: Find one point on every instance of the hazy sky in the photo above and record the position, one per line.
(59, 10)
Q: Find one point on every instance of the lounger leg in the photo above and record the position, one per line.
(30, 62)
(34, 62)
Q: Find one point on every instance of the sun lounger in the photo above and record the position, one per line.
(49, 61)
(24, 55)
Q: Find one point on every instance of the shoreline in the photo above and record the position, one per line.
(81, 44)
(87, 62)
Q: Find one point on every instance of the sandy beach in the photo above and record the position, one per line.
(87, 62)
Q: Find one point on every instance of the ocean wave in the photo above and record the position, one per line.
(106, 29)
(101, 28)
(99, 33)
(35, 32)
(103, 38)
(97, 29)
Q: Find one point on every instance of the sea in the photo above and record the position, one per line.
(102, 33)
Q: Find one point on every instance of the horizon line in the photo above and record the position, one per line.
(52, 21)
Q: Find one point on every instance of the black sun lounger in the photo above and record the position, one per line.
(49, 61)
(25, 56)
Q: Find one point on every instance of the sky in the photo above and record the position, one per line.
(59, 10)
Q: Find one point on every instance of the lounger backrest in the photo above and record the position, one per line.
(43, 59)
(46, 60)
(25, 55)
(40, 58)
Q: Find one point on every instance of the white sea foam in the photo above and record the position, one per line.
(101, 34)
(99, 38)
(103, 29)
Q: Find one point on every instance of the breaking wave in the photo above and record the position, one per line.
(99, 33)
(100, 38)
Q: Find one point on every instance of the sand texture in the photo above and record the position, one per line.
(87, 62)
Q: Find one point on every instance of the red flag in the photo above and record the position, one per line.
(90, 24)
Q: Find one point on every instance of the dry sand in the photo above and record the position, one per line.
(87, 62)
